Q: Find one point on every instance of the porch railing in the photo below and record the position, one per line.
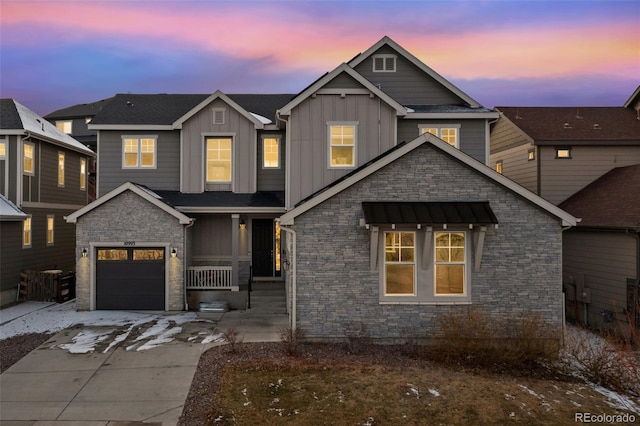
(210, 278)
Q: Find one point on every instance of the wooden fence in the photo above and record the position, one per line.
(46, 286)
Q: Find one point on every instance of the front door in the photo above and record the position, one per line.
(262, 247)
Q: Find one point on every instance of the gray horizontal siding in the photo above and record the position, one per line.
(505, 135)
(50, 192)
(165, 176)
(517, 167)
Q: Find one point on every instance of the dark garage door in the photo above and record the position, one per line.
(131, 278)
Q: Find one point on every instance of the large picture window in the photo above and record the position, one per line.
(399, 263)
(342, 145)
(139, 153)
(450, 261)
(219, 156)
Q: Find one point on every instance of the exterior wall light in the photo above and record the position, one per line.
(174, 252)
(84, 252)
(243, 225)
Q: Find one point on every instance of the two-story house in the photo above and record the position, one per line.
(583, 159)
(368, 192)
(43, 177)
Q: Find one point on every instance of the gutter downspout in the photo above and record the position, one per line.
(293, 275)
(184, 269)
(636, 290)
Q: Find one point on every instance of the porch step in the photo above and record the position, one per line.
(268, 297)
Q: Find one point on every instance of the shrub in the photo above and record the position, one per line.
(291, 339)
(232, 336)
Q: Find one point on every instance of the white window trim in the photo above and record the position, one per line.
(384, 58)
(33, 159)
(61, 170)
(355, 143)
(465, 281)
(279, 139)
(205, 157)
(53, 230)
(30, 219)
(83, 175)
(414, 263)
(214, 111)
(139, 139)
(440, 127)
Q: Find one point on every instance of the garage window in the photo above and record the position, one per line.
(113, 254)
(148, 254)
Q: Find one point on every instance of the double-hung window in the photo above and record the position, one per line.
(399, 264)
(28, 158)
(219, 165)
(450, 263)
(50, 226)
(61, 169)
(271, 153)
(26, 232)
(342, 145)
(448, 133)
(139, 152)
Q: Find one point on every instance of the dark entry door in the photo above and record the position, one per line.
(130, 278)
(262, 247)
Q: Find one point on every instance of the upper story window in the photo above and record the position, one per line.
(271, 153)
(448, 133)
(26, 232)
(219, 159)
(61, 169)
(563, 152)
(450, 262)
(499, 166)
(65, 126)
(3, 150)
(531, 154)
(219, 115)
(399, 264)
(384, 63)
(139, 152)
(83, 173)
(342, 145)
(28, 158)
(50, 225)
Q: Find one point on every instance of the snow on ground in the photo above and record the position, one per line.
(39, 317)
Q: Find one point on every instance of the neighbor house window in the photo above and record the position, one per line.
(3, 150)
(139, 152)
(61, 169)
(563, 152)
(218, 115)
(270, 153)
(450, 262)
(50, 225)
(499, 166)
(27, 163)
(26, 232)
(384, 63)
(65, 126)
(531, 154)
(219, 159)
(448, 133)
(83, 173)
(399, 264)
(342, 145)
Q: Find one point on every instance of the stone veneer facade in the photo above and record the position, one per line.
(520, 272)
(128, 217)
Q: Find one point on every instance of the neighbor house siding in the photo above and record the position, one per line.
(111, 174)
(308, 144)
(601, 262)
(517, 167)
(70, 193)
(561, 178)
(408, 84)
(520, 272)
(237, 126)
(504, 135)
(11, 258)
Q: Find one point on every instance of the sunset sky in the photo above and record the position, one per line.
(54, 54)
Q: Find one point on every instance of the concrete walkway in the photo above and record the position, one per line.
(51, 386)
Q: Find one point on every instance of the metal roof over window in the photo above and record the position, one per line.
(447, 212)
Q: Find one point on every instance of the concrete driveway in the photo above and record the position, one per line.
(117, 383)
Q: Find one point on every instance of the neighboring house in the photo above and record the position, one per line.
(602, 254)
(43, 177)
(74, 121)
(378, 172)
(556, 151)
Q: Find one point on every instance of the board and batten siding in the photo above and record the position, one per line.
(308, 138)
(111, 174)
(561, 177)
(198, 128)
(408, 85)
(603, 261)
(471, 134)
(517, 166)
(271, 179)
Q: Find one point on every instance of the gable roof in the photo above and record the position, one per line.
(9, 211)
(634, 100)
(141, 191)
(218, 95)
(611, 201)
(575, 125)
(417, 62)
(17, 119)
(78, 110)
(342, 68)
(405, 148)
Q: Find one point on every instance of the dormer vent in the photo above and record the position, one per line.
(578, 116)
(567, 126)
(596, 126)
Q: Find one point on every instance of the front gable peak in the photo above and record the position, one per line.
(258, 121)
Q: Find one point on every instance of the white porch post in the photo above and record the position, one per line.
(235, 226)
